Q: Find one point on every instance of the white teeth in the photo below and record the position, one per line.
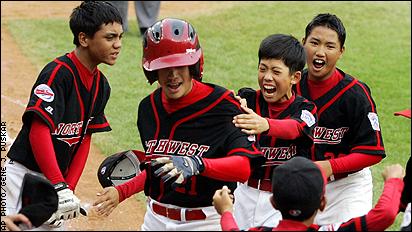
(319, 61)
(269, 87)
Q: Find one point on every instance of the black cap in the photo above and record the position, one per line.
(39, 199)
(297, 186)
(118, 168)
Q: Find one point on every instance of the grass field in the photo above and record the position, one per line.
(378, 52)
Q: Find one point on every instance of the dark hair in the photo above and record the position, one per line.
(283, 47)
(90, 15)
(330, 21)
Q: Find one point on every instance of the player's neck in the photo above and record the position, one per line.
(85, 59)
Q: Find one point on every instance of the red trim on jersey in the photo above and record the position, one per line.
(96, 91)
(77, 91)
(241, 149)
(78, 163)
(373, 148)
(40, 110)
(217, 168)
(200, 112)
(156, 114)
(336, 97)
(258, 111)
(98, 126)
(43, 150)
(373, 110)
(235, 102)
(131, 187)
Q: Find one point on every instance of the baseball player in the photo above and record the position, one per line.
(406, 198)
(187, 133)
(348, 136)
(282, 121)
(66, 106)
(299, 191)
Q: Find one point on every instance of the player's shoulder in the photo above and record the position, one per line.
(359, 89)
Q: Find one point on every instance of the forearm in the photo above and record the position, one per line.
(353, 162)
(218, 168)
(78, 163)
(227, 222)
(284, 128)
(385, 211)
(43, 151)
(131, 187)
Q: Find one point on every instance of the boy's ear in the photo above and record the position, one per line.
(296, 77)
(83, 39)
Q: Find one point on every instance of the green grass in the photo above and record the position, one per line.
(378, 52)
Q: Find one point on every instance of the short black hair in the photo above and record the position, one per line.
(330, 21)
(283, 47)
(90, 15)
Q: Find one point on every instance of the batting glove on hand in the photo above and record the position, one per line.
(182, 167)
(68, 208)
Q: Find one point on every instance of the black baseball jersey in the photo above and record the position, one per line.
(61, 100)
(278, 151)
(347, 119)
(203, 129)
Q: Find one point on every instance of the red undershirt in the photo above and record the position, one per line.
(345, 163)
(42, 146)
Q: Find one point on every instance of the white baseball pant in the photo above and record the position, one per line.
(347, 198)
(14, 180)
(252, 208)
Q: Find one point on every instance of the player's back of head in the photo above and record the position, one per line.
(90, 15)
(330, 21)
(298, 188)
(283, 47)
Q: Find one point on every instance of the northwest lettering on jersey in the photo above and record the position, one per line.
(69, 133)
(323, 135)
(166, 146)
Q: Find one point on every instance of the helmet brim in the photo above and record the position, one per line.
(174, 60)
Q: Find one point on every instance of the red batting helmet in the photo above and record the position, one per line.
(171, 43)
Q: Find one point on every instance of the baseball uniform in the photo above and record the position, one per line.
(347, 123)
(61, 100)
(251, 207)
(204, 129)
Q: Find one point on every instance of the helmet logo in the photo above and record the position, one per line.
(190, 51)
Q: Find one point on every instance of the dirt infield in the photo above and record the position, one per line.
(18, 76)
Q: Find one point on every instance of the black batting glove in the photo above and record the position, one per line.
(181, 167)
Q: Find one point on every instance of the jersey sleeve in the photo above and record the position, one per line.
(306, 115)
(367, 137)
(237, 142)
(99, 122)
(48, 95)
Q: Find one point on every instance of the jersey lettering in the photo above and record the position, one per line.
(175, 147)
(279, 153)
(323, 135)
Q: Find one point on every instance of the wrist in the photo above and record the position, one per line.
(60, 186)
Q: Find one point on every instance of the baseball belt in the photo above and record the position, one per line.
(176, 213)
(264, 185)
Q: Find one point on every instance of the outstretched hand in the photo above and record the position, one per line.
(107, 201)
(250, 122)
(393, 171)
(223, 200)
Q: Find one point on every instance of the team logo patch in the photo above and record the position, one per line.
(251, 138)
(373, 118)
(308, 117)
(44, 92)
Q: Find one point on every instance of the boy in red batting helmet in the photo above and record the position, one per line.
(186, 130)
